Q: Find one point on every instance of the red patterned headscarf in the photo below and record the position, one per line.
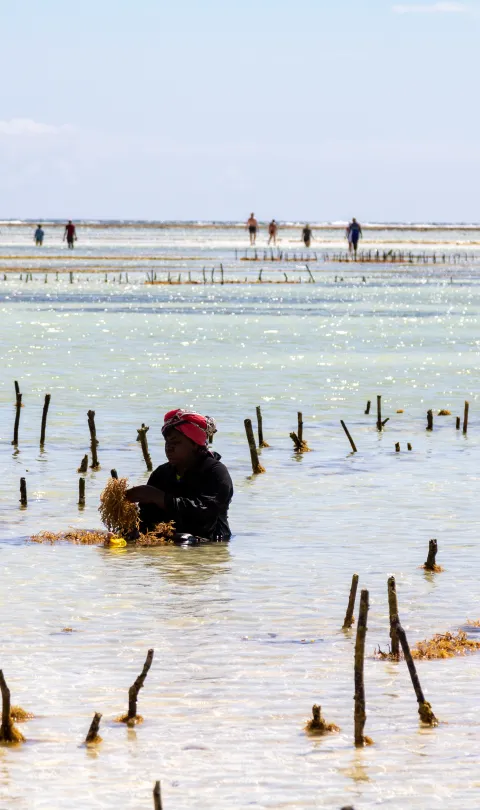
(196, 427)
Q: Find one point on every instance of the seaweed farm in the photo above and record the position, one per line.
(252, 652)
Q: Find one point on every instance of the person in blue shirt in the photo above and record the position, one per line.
(39, 234)
(354, 232)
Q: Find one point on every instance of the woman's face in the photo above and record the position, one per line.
(180, 450)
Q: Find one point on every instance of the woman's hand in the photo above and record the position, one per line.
(146, 494)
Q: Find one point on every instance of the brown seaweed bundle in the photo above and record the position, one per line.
(444, 412)
(117, 514)
(318, 725)
(162, 534)
(84, 537)
(445, 645)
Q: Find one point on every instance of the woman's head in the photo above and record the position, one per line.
(186, 434)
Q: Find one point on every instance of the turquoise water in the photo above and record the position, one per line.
(247, 636)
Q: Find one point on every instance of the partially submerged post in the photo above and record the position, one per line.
(93, 439)
(349, 618)
(142, 438)
(360, 714)
(114, 474)
(465, 417)
(157, 797)
(23, 492)
(379, 413)
(81, 491)
(397, 447)
(457, 423)
(44, 419)
(424, 708)
(93, 737)
(318, 724)
(261, 440)
(430, 564)
(300, 426)
(8, 732)
(352, 443)
(367, 409)
(429, 420)
(256, 466)
(84, 465)
(393, 611)
(132, 717)
(18, 407)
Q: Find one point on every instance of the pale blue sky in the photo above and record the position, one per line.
(200, 109)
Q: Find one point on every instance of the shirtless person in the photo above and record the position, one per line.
(252, 226)
(70, 234)
(272, 232)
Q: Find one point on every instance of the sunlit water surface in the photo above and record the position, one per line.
(246, 636)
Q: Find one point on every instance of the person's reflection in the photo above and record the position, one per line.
(184, 565)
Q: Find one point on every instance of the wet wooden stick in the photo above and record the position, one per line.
(409, 446)
(93, 736)
(142, 438)
(393, 611)
(379, 413)
(457, 423)
(23, 492)
(397, 447)
(84, 465)
(135, 688)
(367, 409)
(157, 797)
(360, 714)
(352, 443)
(430, 564)
(46, 406)
(81, 491)
(261, 440)
(465, 417)
(256, 466)
(17, 389)
(429, 420)
(114, 474)
(300, 426)
(8, 732)
(424, 708)
(93, 439)
(18, 408)
(349, 618)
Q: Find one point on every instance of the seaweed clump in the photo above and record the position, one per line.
(300, 445)
(19, 715)
(117, 514)
(84, 537)
(318, 725)
(446, 645)
(382, 655)
(444, 412)
(162, 534)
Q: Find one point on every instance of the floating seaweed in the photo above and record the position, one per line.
(162, 534)
(318, 725)
(19, 715)
(117, 514)
(444, 412)
(300, 445)
(84, 537)
(446, 645)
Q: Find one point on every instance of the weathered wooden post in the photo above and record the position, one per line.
(93, 439)
(379, 412)
(300, 426)
(8, 732)
(142, 438)
(367, 409)
(349, 618)
(424, 708)
(131, 717)
(157, 796)
(81, 492)
(23, 492)
(261, 441)
(44, 419)
(429, 420)
(256, 466)
(360, 712)
(352, 443)
(93, 737)
(393, 611)
(465, 418)
(430, 564)
(84, 465)
(18, 408)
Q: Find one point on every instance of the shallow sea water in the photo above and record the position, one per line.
(246, 636)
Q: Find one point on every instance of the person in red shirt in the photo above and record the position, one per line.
(70, 234)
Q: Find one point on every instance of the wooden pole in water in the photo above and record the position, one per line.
(142, 438)
(221, 273)
(18, 408)
(81, 491)
(114, 474)
(424, 708)
(93, 736)
(393, 611)
(23, 492)
(409, 446)
(360, 714)
(379, 412)
(84, 465)
(157, 797)
(465, 417)
(300, 426)
(349, 619)
(457, 423)
(352, 443)
(261, 441)
(8, 732)
(367, 409)
(432, 554)
(44, 419)
(256, 466)
(93, 439)
(136, 686)
(17, 389)
(429, 420)
(397, 447)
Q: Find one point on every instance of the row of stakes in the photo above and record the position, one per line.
(300, 445)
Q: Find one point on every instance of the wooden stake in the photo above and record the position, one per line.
(300, 426)
(348, 435)
(429, 420)
(349, 618)
(23, 492)
(8, 732)
(44, 419)
(261, 440)
(409, 446)
(135, 689)
(93, 439)
(379, 413)
(84, 465)
(367, 409)
(430, 564)
(360, 714)
(393, 611)
(157, 797)
(465, 418)
(18, 408)
(93, 736)
(142, 438)
(81, 491)
(457, 423)
(397, 447)
(424, 708)
(256, 466)
(114, 474)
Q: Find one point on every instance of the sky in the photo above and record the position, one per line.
(312, 110)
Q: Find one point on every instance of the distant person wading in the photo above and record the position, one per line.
(354, 232)
(272, 232)
(38, 236)
(70, 234)
(252, 226)
(307, 235)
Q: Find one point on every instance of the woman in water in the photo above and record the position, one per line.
(193, 488)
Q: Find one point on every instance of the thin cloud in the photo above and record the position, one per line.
(26, 126)
(433, 8)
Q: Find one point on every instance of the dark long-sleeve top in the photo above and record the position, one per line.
(197, 502)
